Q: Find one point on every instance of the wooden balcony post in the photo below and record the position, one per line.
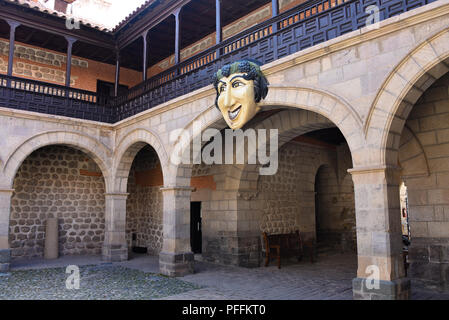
(218, 28)
(275, 13)
(275, 8)
(12, 36)
(70, 42)
(145, 55)
(177, 35)
(117, 71)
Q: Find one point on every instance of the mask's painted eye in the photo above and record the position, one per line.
(222, 88)
(236, 84)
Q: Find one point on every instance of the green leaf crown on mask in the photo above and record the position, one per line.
(251, 69)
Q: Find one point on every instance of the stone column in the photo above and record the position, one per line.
(5, 209)
(176, 257)
(379, 236)
(115, 247)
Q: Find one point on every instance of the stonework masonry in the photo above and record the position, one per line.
(144, 205)
(50, 66)
(282, 203)
(57, 182)
(335, 210)
(288, 201)
(424, 158)
(367, 83)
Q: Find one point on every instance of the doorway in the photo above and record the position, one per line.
(195, 227)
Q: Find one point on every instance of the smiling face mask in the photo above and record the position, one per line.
(236, 100)
(240, 86)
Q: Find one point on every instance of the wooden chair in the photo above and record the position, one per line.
(285, 245)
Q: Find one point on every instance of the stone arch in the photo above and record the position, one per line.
(321, 103)
(412, 157)
(292, 123)
(400, 91)
(245, 179)
(127, 149)
(99, 152)
(310, 112)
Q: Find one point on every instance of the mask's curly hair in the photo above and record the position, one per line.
(252, 71)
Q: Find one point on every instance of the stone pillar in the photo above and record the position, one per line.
(5, 209)
(51, 239)
(379, 236)
(115, 247)
(176, 257)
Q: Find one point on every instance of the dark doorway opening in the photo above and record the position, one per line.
(195, 227)
(108, 88)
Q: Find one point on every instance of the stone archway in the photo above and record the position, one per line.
(63, 183)
(416, 73)
(100, 153)
(423, 154)
(322, 103)
(314, 106)
(126, 151)
(116, 243)
(93, 148)
(377, 173)
(237, 185)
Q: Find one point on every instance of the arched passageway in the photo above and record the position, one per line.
(63, 183)
(238, 204)
(335, 212)
(423, 156)
(144, 206)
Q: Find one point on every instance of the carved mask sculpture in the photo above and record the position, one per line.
(240, 86)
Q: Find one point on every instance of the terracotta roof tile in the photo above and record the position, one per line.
(142, 7)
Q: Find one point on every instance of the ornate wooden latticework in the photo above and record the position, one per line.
(304, 26)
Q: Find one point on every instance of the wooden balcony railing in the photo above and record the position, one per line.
(36, 96)
(308, 24)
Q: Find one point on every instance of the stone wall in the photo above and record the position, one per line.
(60, 182)
(335, 210)
(424, 157)
(50, 66)
(281, 203)
(144, 204)
(288, 198)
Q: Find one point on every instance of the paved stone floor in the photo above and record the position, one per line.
(328, 279)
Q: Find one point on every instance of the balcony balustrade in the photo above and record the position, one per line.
(309, 24)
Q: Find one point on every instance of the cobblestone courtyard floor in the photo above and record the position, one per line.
(328, 279)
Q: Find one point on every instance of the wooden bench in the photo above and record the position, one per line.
(286, 245)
